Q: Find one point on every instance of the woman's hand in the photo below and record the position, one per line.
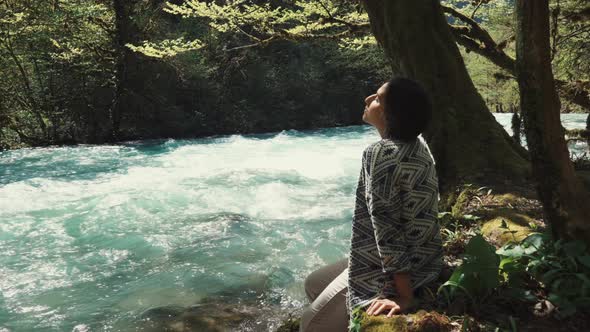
(396, 306)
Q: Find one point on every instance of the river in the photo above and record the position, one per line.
(119, 237)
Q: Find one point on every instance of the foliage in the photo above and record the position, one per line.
(51, 56)
(217, 64)
(62, 89)
(166, 48)
(477, 276)
(570, 35)
(456, 231)
(355, 319)
(262, 23)
(562, 269)
(570, 39)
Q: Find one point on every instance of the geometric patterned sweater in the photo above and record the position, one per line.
(395, 227)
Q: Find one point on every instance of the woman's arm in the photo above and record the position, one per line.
(385, 209)
(403, 285)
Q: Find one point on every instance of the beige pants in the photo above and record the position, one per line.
(326, 290)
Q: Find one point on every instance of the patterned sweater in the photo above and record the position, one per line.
(394, 228)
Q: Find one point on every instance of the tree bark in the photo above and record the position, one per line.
(122, 33)
(565, 200)
(468, 143)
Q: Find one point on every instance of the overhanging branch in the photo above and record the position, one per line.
(474, 38)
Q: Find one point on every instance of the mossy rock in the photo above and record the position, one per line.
(459, 207)
(506, 199)
(421, 321)
(517, 223)
(447, 200)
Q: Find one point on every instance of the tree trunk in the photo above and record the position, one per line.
(566, 203)
(122, 10)
(469, 145)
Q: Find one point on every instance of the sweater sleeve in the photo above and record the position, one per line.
(385, 208)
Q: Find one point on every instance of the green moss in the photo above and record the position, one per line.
(461, 203)
(517, 223)
(506, 199)
(421, 321)
(447, 200)
(382, 323)
(290, 325)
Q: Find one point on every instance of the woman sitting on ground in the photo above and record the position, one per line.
(395, 244)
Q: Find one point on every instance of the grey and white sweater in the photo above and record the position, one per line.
(394, 228)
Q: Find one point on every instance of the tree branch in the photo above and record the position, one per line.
(475, 38)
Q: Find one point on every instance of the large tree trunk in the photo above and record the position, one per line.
(122, 9)
(566, 203)
(467, 142)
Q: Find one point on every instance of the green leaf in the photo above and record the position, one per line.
(575, 248)
(583, 302)
(512, 324)
(512, 270)
(503, 224)
(584, 260)
(529, 296)
(583, 277)
(482, 265)
(511, 250)
(456, 276)
(535, 240)
(520, 294)
(506, 263)
(554, 298)
(471, 217)
(558, 244)
(442, 214)
(480, 248)
(533, 243)
(455, 285)
(548, 277)
(567, 310)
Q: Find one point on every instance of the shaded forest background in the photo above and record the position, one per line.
(68, 76)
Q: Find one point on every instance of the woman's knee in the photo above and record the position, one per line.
(310, 285)
(327, 319)
(306, 318)
(316, 281)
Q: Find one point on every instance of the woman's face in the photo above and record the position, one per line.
(374, 111)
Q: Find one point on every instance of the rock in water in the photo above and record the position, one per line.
(209, 317)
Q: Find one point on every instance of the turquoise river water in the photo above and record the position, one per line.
(94, 237)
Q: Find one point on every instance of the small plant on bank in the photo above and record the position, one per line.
(456, 232)
(355, 319)
(477, 276)
(560, 268)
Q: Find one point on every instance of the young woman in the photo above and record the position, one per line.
(395, 245)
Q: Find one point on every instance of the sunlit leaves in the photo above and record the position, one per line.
(166, 48)
(303, 19)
